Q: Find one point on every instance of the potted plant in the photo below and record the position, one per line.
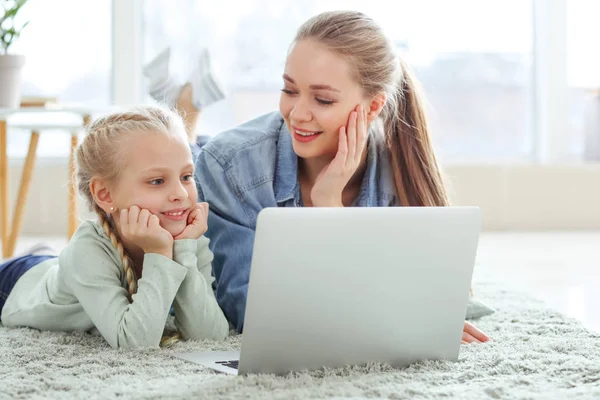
(10, 64)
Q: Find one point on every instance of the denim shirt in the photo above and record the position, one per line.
(251, 167)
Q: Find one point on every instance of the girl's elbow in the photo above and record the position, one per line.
(223, 332)
(135, 343)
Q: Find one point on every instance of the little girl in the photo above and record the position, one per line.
(146, 253)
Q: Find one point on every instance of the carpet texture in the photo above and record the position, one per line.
(537, 354)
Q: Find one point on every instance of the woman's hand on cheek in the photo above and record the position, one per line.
(142, 228)
(330, 183)
(197, 223)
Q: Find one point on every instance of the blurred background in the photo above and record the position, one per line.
(513, 88)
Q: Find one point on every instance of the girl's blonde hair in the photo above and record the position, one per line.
(101, 155)
(378, 69)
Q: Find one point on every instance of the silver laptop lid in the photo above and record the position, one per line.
(341, 286)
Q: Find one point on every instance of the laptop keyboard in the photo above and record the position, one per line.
(231, 364)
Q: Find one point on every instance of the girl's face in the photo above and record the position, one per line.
(318, 96)
(158, 175)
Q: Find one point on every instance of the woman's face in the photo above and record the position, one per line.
(318, 96)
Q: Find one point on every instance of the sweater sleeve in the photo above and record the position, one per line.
(95, 280)
(197, 314)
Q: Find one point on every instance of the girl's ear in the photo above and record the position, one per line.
(102, 196)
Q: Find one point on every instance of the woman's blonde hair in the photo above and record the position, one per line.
(378, 69)
(101, 155)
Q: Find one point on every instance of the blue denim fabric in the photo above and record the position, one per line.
(253, 166)
(12, 270)
(201, 140)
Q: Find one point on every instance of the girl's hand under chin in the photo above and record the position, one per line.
(142, 228)
(330, 183)
(197, 223)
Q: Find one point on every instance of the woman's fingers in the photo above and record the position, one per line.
(467, 337)
(352, 129)
(475, 333)
(342, 153)
(361, 140)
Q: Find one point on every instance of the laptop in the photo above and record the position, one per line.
(331, 287)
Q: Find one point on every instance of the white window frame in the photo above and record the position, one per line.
(127, 45)
(549, 81)
(550, 84)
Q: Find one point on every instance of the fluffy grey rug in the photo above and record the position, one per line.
(537, 354)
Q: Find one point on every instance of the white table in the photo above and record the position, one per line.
(37, 120)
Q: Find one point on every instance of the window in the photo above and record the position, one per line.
(68, 55)
(583, 66)
(476, 73)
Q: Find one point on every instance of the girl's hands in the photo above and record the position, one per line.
(197, 223)
(143, 229)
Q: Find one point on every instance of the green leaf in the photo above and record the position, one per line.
(11, 12)
(8, 33)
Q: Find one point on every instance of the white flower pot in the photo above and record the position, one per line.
(10, 80)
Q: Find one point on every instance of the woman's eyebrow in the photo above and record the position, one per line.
(313, 87)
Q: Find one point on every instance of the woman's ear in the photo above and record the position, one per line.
(376, 106)
(102, 195)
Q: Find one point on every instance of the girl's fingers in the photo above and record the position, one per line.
(204, 207)
(200, 212)
(143, 218)
(134, 213)
(124, 220)
(192, 215)
(153, 221)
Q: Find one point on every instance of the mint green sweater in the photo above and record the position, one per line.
(84, 289)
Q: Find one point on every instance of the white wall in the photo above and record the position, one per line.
(512, 197)
(530, 197)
